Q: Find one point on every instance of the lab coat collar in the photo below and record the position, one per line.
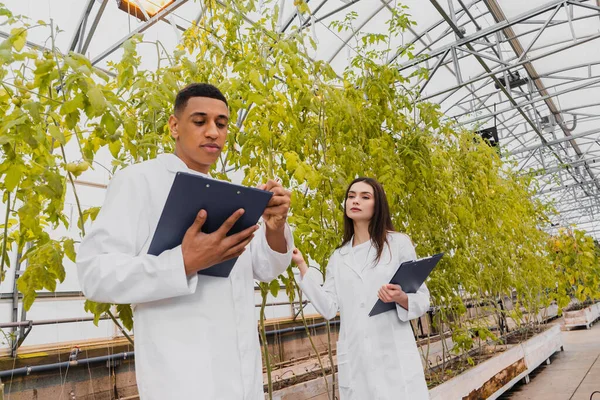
(175, 164)
(348, 258)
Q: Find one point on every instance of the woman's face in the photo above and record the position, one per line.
(360, 203)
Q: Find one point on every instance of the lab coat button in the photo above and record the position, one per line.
(362, 305)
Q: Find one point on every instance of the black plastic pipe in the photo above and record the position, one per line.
(66, 364)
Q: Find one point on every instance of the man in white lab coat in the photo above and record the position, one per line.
(195, 335)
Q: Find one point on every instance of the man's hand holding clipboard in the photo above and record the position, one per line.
(214, 221)
(222, 247)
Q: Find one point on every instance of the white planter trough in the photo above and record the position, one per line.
(549, 312)
(487, 380)
(314, 389)
(584, 317)
(497, 375)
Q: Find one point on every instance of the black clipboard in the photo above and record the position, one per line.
(191, 193)
(410, 276)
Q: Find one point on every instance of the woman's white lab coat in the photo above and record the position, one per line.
(377, 356)
(195, 337)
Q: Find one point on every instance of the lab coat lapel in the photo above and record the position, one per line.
(372, 259)
(349, 260)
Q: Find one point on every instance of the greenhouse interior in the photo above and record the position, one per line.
(420, 182)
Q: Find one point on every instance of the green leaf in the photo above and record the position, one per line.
(80, 60)
(93, 212)
(73, 105)
(69, 248)
(97, 100)
(274, 287)
(13, 177)
(19, 38)
(130, 127)
(291, 160)
(57, 134)
(6, 126)
(125, 315)
(72, 63)
(44, 67)
(115, 148)
(256, 98)
(29, 299)
(300, 173)
(130, 44)
(254, 78)
(110, 123)
(34, 110)
(97, 309)
(6, 56)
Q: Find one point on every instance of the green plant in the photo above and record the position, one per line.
(575, 258)
(294, 118)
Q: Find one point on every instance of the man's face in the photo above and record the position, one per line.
(200, 132)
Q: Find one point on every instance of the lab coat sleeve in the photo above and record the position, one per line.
(109, 264)
(323, 298)
(418, 303)
(268, 264)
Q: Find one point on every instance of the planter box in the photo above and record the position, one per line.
(313, 390)
(584, 317)
(495, 376)
(487, 380)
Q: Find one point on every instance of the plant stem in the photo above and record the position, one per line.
(312, 343)
(329, 352)
(5, 237)
(263, 336)
(443, 347)
(110, 314)
(62, 149)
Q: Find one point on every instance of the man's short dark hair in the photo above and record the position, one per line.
(197, 90)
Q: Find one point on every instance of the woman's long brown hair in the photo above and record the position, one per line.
(381, 222)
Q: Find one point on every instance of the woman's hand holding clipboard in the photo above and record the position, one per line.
(409, 276)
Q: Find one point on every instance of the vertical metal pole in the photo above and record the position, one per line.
(14, 337)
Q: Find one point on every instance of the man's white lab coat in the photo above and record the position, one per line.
(377, 356)
(195, 337)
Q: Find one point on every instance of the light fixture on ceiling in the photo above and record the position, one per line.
(548, 123)
(490, 136)
(151, 7)
(514, 80)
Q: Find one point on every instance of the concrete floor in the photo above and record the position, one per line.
(573, 374)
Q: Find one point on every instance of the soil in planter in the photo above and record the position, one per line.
(456, 366)
(281, 383)
(435, 375)
(524, 334)
(579, 306)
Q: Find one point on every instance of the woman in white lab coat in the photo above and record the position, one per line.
(377, 356)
